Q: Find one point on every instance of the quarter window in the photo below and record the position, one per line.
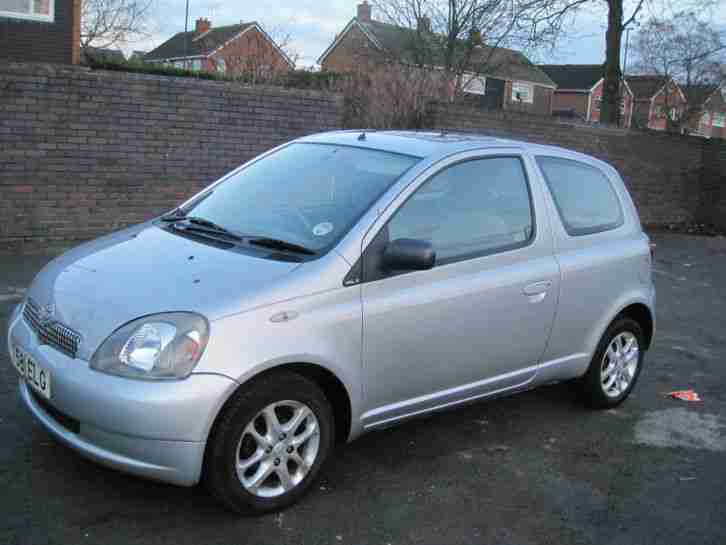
(469, 209)
(585, 198)
(37, 10)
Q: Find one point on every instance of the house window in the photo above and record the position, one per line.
(221, 66)
(34, 10)
(719, 119)
(475, 85)
(522, 92)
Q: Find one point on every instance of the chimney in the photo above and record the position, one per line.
(364, 12)
(424, 23)
(202, 25)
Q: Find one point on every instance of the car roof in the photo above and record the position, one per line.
(430, 144)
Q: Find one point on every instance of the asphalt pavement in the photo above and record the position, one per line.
(536, 468)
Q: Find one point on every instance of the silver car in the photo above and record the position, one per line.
(338, 284)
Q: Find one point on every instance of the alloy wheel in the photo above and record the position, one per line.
(277, 448)
(619, 364)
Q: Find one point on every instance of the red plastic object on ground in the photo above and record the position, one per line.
(685, 395)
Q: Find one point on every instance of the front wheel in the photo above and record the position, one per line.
(616, 365)
(269, 443)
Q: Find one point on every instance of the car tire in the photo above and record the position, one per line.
(606, 364)
(241, 435)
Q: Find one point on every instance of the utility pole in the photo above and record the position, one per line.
(186, 36)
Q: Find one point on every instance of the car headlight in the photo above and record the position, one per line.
(161, 346)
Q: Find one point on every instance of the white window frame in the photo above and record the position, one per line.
(481, 82)
(530, 92)
(30, 16)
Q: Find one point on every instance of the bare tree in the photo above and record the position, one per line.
(106, 23)
(528, 23)
(383, 98)
(463, 37)
(683, 47)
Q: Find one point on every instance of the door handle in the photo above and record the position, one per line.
(538, 288)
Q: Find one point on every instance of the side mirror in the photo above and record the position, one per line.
(407, 254)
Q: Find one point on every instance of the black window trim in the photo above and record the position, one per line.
(359, 273)
(581, 231)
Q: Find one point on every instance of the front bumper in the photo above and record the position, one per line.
(153, 429)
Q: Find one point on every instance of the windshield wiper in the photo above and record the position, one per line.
(278, 244)
(175, 215)
(207, 226)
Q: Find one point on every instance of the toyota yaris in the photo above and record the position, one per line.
(338, 284)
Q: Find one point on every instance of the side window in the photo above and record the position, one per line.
(585, 198)
(469, 209)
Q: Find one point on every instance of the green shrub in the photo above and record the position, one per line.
(295, 79)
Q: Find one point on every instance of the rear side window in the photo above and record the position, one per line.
(585, 198)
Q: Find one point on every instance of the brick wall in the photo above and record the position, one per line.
(662, 171)
(86, 152)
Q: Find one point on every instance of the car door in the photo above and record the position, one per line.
(479, 320)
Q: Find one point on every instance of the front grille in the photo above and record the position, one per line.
(51, 333)
(71, 424)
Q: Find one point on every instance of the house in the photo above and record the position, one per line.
(706, 110)
(498, 78)
(40, 31)
(231, 49)
(579, 92)
(659, 102)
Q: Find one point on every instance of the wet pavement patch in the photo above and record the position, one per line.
(683, 428)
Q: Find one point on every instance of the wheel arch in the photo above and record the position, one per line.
(636, 307)
(643, 315)
(327, 380)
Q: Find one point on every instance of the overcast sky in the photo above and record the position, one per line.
(313, 24)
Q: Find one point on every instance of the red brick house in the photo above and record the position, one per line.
(706, 110)
(231, 49)
(659, 102)
(40, 31)
(503, 78)
(579, 92)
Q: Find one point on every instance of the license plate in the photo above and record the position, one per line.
(34, 374)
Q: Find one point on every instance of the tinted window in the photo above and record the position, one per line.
(585, 198)
(469, 209)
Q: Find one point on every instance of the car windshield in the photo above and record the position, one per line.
(305, 194)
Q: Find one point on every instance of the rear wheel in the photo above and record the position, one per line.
(616, 365)
(269, 443)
